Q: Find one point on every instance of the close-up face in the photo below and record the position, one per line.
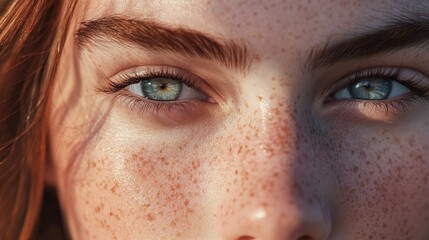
(281, 119)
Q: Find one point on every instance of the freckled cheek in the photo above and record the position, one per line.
(384, 184)
(94, 196)
(384, 170)
(146, 191)
(167, 185)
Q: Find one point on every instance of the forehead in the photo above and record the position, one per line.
(253, 11)
(261, 22)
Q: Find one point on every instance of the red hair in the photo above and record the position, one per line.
(32, 32)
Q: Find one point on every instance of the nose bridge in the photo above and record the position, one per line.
(268, 199)
(278, 120)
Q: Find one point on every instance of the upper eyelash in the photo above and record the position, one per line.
(376, 72)
(126, 79)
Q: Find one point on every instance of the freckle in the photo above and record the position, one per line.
(113, 189)
(240, 149)
(97, 209)
(92, 164)
(163, 161)
(150, 217)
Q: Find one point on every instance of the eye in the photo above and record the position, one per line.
(164, 89)
(163, 95)
(379, 92)
(373, 88)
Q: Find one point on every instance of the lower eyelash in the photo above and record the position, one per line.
(389, 107)
(145, 105)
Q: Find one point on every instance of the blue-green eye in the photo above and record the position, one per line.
(164, 89)
(372, 89)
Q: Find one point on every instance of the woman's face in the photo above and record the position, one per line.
(244, 120)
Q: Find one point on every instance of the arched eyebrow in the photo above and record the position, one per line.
(161, 38)
(399, 34)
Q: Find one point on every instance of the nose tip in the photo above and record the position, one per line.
(287, 223)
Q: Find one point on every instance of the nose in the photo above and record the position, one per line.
(275, 181)
(292, 222)
(272, 197)
(275, 219)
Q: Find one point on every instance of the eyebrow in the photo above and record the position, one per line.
(398, 34)
(161, 38)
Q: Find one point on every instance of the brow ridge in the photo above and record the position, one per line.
(399, 34)
(158, 37)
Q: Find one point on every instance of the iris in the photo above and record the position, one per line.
(161, 89)
(371, 89)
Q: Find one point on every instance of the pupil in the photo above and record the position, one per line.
(163, 86)
(367, 85)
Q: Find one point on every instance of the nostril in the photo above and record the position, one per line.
(305, 237)
(246, 238)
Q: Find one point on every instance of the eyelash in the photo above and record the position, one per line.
(122, 81)
(418, 93)
(126, 79)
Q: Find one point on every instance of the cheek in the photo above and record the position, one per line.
(383, 186)
(167, 186)
(123, 187)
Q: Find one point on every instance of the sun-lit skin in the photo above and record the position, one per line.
(266, 159)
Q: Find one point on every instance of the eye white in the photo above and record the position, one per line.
(398, 90)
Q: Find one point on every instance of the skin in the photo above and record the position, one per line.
(267, 160)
